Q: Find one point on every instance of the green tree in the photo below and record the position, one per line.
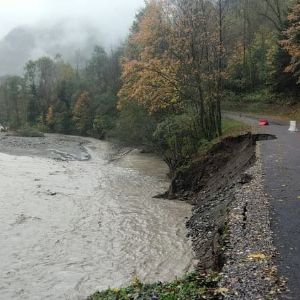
(13, 92)
(135, 126)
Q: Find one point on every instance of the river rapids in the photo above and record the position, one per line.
(74, 220)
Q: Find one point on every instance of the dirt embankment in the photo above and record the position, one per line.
(210, 184)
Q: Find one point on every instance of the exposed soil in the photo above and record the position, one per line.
(210, 184)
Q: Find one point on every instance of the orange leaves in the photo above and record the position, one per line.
(174, 57)
(294, 15)
(82, 103)
(292, 43)
(82, 113)
(152, 29)
(151, 83)
(50, 116)
(150, 79)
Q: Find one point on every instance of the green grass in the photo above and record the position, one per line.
(28, 132)
(233, 127)
(192, 286)
(230, 128)
(263, 102)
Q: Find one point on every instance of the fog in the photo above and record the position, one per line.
(33, 28)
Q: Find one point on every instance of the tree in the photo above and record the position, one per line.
(82, 114)
(251, 70)
(96, 70)
(50, 118)
(275, 12)
(135, 126)
(33, 105)
(46, 75)
(13, 92)
(292, 42)
(178, 67)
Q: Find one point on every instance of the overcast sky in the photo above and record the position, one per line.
(113, 16)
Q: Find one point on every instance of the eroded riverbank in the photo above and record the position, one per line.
(70, 227)
(230, 225)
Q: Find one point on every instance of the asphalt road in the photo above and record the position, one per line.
(281, 165)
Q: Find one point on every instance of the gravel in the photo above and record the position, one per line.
(249, 271)
(53, 146)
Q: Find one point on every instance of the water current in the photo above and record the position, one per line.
(70, 227)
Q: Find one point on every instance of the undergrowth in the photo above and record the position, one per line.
(192, 287)
(28, 131)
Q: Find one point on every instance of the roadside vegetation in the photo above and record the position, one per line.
(192, 286)
(277, 106)
(263, 72)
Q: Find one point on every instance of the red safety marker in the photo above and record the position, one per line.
(263, 122)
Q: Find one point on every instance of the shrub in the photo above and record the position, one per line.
(28, 131)
(101, 126)
(135, 126)
(177, 140)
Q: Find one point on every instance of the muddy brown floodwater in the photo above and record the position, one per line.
(69, 227)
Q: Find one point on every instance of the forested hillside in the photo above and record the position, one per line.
(164, 87)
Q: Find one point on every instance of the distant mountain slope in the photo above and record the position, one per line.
(72, 41)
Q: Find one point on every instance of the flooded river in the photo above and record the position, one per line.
(70, 227)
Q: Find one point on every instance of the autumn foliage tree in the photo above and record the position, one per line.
(292, 42)
(197, 43)
(82, 114)
(177, 67)
(50, 118)
(150, 74)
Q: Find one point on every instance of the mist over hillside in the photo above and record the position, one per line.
(33, 28)
(74, 41)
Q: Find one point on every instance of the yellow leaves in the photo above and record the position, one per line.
(151, 82)
(290, 44)
(136, 281)
(168, 60)
(257, 256)
(82, 102)
(221, 291)
(82, 112)
(115, 290)
(65, 72)
(50, 116)
(151, 78)
(151, 26)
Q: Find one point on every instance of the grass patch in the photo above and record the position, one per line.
(28, 132)
(233, 127)
(275, 111)
(192, 286)
(230, 128)
(263, 102)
